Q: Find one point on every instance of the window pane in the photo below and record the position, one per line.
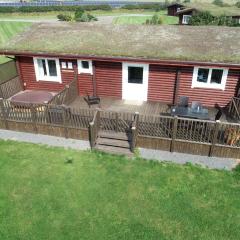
(52, 68)
(135, 75)
(217, 76)
(202, 75)
(85, 64)
(42, 67)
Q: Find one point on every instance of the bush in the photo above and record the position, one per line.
(238, 4)
(206, 18)
(202, 18)
(81, 16)
(152, 6)
(65, 17)
(218, 2)
(155, 20)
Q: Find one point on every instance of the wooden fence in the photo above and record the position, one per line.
(67, 95)
(234, 108)
(10, 87)
(156, 132)
(8, 71)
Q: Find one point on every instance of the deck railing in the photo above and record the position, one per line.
(156, 132)
(234, 108)
(10, 88)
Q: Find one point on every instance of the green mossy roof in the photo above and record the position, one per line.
(212, 44)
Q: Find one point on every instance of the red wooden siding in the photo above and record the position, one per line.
(29, 79)
(161, 83)
(109, 79)
(208, 97)
(85, 84)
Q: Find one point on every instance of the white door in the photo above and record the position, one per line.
(135, 81)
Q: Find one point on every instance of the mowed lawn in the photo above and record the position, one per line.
(9, 30)
(100, 196)
(142, 19)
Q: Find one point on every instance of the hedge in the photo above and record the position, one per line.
(152, 6)
(29, 9)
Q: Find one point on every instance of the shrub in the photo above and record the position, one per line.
(202, 18)
(218, 3)
(29, 9)
(152, 6)
(155, 20)
(238, 4)
(65, 17)
(81, 16)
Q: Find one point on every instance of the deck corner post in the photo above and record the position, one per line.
(65, 121)
(91, 134)
(117, 122)
(34, 117)
(174, 134)
(214, 138)
(4, 114)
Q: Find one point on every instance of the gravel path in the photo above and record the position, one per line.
(44, 139)
(182, 158)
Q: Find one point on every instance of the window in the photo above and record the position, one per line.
(186, 19)
(67, 65)
(209, 77)
(85, 66)
(47, 69)
(135, 75)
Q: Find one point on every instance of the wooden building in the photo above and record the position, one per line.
(174, 8)
(185, 15)
(142, 63)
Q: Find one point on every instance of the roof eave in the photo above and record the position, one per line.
(120, 58)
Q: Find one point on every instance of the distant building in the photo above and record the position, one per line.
(174, 8)
(185, 15)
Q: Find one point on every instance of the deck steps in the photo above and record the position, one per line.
(114, 143)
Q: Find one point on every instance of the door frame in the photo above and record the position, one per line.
(144, 85)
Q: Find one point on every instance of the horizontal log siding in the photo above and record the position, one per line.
(85, 84)
(109, 79)
(208, 97)
(161, 83)
(27, 72)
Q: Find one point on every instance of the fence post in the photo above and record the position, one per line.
(91, 134)
(33, 117)
(134, 131)
(65, 121)
(117, 121)
(214, 138)
(174, 133)
(4, 114)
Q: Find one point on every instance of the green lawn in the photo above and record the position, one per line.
(9, 30)
(101, 196)
(142, 19)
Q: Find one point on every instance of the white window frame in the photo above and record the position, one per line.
(39, 77)
(184, 19)
(84, 70)
(208, 84)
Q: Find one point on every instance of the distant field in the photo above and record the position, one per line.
(8, 30)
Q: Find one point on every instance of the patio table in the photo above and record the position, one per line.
(190, 113)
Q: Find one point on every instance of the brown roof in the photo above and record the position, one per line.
(175, 4)
(186, 10)
(201, 43)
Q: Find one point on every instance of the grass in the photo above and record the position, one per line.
(142, 19)
(9, 30)
(100, 196)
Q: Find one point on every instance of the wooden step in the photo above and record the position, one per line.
(113, 135)
(113, 142)
(114, 150)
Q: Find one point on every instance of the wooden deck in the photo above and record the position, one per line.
(146, 108)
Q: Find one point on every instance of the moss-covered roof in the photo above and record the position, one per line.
(212, 44)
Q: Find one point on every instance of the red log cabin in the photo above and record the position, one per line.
(144, 63)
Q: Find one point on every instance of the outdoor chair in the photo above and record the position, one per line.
(183, 101)
(92, 100)
(218, 115)
(196, 106)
